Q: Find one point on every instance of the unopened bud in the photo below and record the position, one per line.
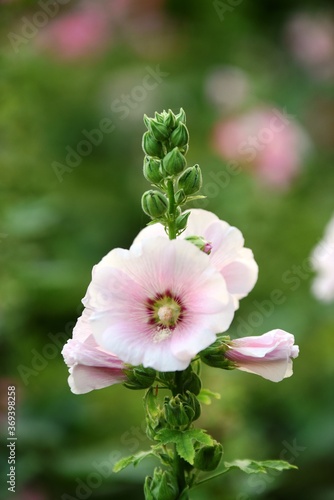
(154, 203)
(175, 412)
(180, 197)
(207, 458)
(139, 377)
(191, 180)
(170, 120)
(174, 162)
(158, 130)
(201, 243)
(181, 221)
(151, 146)
(181, 116)
(151, 170)
(163, 486)
(179, 136)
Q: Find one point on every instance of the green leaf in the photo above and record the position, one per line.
(205, 396)
(132, 459)
(256, 467)
(184, 441)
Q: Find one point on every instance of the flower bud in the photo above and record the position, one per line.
(174, 162)
(207, 458)
(158, 130)
(151, 170)
(154, 203)
(139, 377)
(181, 221)
(151, 146)
(201, 243)
(175, 412)
(191, 180)
(180, 136)
(192, 404)
(181, 116)
(163, 486)
(170, 120)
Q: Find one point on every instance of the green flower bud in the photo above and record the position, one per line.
(175, 412)
(151, 170)
(181, 116)
(180, 197)
(151, 146)
(193, 404)
(170, 120)
(163, 486)
(158, 130)
(207, 458)
(191, 180)
(201, 243)
(139, 377)
(181, 221)
(179, 136)
(154, 204)
(174, 162)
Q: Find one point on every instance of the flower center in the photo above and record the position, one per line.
(165, 311)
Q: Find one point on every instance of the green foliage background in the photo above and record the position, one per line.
(54, 232)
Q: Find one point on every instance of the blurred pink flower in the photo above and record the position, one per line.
(267, 141)
(269, 355)
(77, 34)
(90, 366)
(311, 40)
(322, 259)
(158, 304)
(228, 255)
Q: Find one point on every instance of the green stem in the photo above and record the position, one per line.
(179, 470)
(171, 210)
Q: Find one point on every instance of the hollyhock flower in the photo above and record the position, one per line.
(227, 87)
(322, 259)
(269, 355)
(265, 141)
(90, 366)
(157, 304)
(225, 245)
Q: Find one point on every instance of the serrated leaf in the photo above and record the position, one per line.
(258, 467)
(205, 396)
(132, 459)
(183, 441)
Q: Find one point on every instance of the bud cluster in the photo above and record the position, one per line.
(165, 145)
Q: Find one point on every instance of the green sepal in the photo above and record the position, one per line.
(159, 131)
(191, 180)
(163, 486)
(208, 458)
(154, 203)
(180, 136)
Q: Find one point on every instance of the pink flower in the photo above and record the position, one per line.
(90, 366)
(77, 34)
(268, 355)
(265, 141)
(227, 253)
(322, 259)
(157, 304)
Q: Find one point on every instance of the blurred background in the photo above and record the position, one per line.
(256, 81)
